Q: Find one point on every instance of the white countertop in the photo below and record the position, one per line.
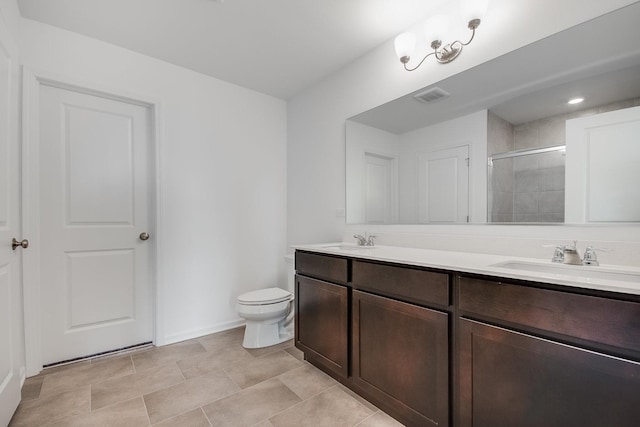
(568, 275)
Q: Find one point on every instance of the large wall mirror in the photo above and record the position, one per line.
(500, 142)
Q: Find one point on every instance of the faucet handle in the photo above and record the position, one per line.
(361, 240)
(370, 240)
(558, 253)
(590, 257)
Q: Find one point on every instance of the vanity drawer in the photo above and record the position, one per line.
(402, 283)
(324, 267)
(597, 319)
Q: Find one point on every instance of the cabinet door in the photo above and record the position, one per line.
(401, 358)
(512, 379)
(322, 325)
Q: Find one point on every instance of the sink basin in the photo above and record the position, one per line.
(585, 272)
(348, 247)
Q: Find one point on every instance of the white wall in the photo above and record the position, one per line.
(223, 175)
(11, 16)
(316, 161)
(365, 139)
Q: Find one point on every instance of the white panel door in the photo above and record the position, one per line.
(96, 289)
(378, 189)
(603, 153)
(444, 186)
(11, 332)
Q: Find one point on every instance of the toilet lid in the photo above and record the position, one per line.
(264, 296)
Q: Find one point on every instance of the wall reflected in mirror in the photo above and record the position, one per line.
(405, 158)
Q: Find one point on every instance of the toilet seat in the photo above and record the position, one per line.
(264, 297)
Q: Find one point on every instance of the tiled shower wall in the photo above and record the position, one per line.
(531, 188)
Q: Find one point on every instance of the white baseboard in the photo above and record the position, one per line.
(196, 333)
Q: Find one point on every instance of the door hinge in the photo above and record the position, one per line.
(467, 160)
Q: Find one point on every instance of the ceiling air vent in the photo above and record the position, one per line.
(432, 95)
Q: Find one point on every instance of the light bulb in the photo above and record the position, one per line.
(405, 43)
(436, 28)
(473, 9)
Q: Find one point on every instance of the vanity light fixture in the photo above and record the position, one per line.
(435, 29)
(574, 101)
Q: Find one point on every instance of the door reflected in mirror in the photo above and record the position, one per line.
(417, 177)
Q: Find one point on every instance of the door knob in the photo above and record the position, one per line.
(24, 244)
(144, 236)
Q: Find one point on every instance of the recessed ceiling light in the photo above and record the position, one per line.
(575, 100)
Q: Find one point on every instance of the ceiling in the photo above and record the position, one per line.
(277, 47)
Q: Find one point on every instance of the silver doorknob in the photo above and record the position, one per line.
(24, 244)
(144, 236)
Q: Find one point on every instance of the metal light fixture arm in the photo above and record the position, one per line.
(449, 52)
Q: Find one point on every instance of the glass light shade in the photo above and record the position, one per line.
(436, 28)
(473, 9)
(405, 43)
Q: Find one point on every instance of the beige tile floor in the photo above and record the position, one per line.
(209, 381)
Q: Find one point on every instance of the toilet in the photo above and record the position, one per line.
(268, 312)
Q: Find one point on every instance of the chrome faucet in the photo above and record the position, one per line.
(571, 255)
(365, 241)
(565, 254)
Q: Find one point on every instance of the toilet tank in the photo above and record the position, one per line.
(291, 273)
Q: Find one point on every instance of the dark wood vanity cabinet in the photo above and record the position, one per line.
(323, 267)
(401, 358)
(515, 379)
(531, 357)
(374, 327)
(400, 343)
(322, 312)
(432, 347)
(419, 286)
